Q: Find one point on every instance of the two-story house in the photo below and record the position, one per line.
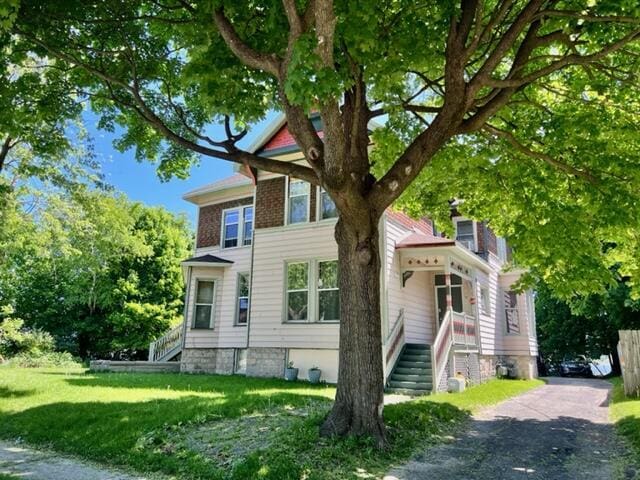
(262, 287)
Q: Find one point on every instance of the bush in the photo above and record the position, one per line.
(15, 339)
(48, 359)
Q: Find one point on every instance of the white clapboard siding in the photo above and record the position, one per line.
(273, 248)
(489, 331)
(225, 333)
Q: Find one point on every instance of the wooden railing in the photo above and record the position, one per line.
(464, 329)
(395, 339)
(441, 348)
(165, 344)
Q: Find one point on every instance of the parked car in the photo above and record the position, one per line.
(578, 367)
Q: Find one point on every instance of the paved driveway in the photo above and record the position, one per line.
(560, 431)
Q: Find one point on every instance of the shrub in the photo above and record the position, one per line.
(15, 339)
(47, 359)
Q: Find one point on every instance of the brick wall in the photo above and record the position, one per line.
(270, 203)
(210, 221)
(487, 240)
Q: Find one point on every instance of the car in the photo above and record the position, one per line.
(578, 367)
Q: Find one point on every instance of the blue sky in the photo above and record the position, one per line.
(140, 182)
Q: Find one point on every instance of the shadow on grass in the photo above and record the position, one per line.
(12, 393)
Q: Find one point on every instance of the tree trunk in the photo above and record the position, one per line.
(359, 399)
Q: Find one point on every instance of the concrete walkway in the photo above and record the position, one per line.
(34, 465)
(560, 431)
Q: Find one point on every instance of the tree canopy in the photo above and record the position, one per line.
(100, 273)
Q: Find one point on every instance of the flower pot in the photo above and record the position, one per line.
(314, 375)
(291, 374)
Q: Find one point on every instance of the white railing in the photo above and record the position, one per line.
(394, 340)
(441, 348)
(464, 329)
(166, 343)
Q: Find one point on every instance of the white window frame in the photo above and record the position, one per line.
(287, 201)
(236, 321)
(253, 225)
(319, 192)
(318, 290)
(485, 300)
(313, 304)
(474, 227)
(287, 291)
(240, 210)
(213, 304)
(501, 247)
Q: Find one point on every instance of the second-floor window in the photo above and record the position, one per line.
(299, 192)
(465, 235)
(238, 227)
(327, 207)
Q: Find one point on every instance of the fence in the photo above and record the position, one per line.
(629, 352)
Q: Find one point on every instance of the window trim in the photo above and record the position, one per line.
(313, 305)
(474, 225)
(213, 304)
(318, 290)
(236, 318)
(319, 218)
(240, 209)
(287, 201)
(285, 310)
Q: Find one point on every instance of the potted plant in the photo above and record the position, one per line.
(314, 374)
(290, 373)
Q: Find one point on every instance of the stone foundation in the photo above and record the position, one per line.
(266, 362)
(488, 365)
(207, 360)
(527, 366)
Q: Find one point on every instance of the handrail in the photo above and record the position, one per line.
(395, 338)
(166, 343)
(441, 348)
(464, 329)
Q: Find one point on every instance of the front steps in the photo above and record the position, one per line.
(412, 373)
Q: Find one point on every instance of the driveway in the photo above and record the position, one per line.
(560, 431)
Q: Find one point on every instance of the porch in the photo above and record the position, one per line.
(447, 324)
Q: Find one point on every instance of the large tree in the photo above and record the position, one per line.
(526, 109)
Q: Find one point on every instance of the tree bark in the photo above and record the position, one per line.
(359, 399)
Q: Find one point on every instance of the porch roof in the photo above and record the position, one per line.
(206, 261)
(417, 240)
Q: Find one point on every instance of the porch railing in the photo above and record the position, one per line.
(395, 340)
(167, 343)
(441, 348)
(464, 329)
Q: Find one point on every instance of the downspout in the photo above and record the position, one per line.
(185, 310)
(253, 244)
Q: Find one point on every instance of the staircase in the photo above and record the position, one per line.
(168, 346)
(412, 373)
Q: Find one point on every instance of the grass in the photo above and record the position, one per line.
(218, 427)
(625, 412)
(4, 476)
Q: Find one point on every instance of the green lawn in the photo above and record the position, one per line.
(625, 412)
(217, 427)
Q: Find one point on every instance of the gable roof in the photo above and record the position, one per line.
(207, 261)
(419, 226)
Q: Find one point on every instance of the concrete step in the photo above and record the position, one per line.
(404, 391)
(412, 371)
(410, 385)
(403, 377)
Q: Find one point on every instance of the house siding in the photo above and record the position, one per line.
(272, 248)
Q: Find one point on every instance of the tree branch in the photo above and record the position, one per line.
(4, 151)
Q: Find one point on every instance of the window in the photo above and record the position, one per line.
(238, 224)
(231, 228)
(502, 249)
(457, 304)
(465, 234)
(203, 309)
(248, 226)
(484, 300)
(242, 305)
(511, 312)
(297, 291)
(328, 291)
(298, 201)
(327, 206)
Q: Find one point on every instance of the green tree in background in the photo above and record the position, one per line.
(98, 272)
(586, 325)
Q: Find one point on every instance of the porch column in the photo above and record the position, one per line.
(447, 283)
